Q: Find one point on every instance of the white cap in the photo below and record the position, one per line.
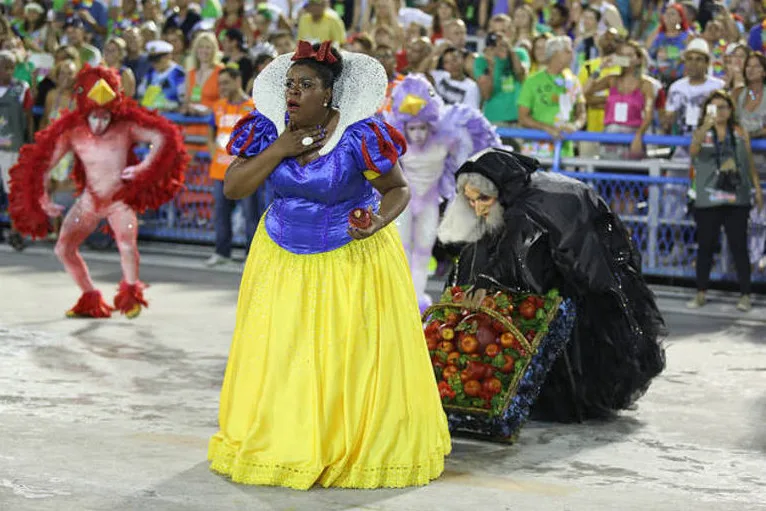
(698, 45)
(159, 47)
(732, 47)
(34, 6)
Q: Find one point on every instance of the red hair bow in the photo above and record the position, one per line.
(323, 54)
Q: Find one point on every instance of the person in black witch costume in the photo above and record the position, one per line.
(535, 231)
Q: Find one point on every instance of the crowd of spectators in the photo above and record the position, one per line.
(619, 66)
(626, 66)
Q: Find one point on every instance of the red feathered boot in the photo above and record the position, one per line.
(130, 299)
(90, 305)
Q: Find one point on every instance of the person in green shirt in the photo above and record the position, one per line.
(75, 34)
(499, 72)
(552, 99)
(24, 70)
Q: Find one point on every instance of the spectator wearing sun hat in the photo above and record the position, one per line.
(686, 95)
(34, 29)
(164, 86)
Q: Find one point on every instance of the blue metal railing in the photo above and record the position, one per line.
(604, 138)
(653, 207)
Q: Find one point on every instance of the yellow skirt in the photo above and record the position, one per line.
(329, 380)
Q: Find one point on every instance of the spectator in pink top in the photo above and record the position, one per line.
(630, 105)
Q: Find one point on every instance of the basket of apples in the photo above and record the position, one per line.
(480, 352)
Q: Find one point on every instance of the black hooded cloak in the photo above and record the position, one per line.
(559, 233)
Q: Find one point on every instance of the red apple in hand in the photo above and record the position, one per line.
(360, 218)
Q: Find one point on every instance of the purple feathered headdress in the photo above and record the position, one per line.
(414, 99)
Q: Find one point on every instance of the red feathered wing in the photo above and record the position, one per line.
(27, 177)
(149, 190)
(164, 178)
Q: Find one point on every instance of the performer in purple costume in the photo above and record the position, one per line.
(439, 139)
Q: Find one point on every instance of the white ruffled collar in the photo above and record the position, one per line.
(358, 93)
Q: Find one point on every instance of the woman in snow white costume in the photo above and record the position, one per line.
(329, 380)
(439, 139)
(102, 133)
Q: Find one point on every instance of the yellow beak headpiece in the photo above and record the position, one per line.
(101, 93)
(412, 104)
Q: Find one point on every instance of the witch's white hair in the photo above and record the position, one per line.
(477, 181)
(460, 223)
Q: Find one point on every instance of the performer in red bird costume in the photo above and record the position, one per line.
(102, 133)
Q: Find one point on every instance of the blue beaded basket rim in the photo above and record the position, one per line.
(529, 347)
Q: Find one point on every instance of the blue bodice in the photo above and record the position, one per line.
(312, 202)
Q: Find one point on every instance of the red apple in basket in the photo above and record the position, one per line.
(469, 344)
(446, 346)
(449, 371)
(360, 218)
(485, 333)
(528, 308)
(492, 350)
(507, 340)
(472, 388)
(446, 332)
(489, 303)
(475, 371)
(492, 386)
(508, 366)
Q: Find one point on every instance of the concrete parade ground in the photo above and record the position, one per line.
(116, 414)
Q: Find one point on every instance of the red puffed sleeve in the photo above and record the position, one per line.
(251, 135)
(378, 146)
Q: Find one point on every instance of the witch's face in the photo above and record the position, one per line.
(481, 204)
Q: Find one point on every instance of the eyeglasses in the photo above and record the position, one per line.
(303, 85)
